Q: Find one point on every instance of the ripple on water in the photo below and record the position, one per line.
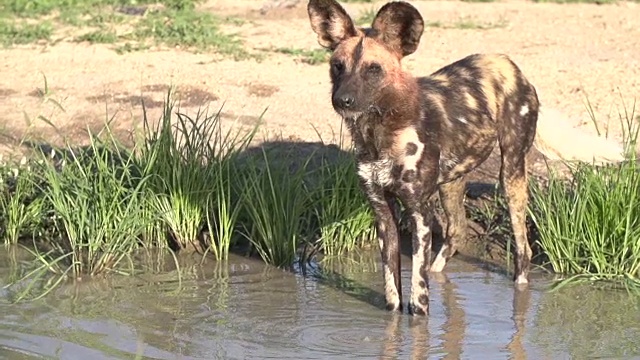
(290, 315)
(360, 336)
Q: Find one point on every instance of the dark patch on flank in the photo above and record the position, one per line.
(520, 83)
(498, 89)
(411, 149)
(422, 284)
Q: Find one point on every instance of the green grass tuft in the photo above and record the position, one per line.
(189, 162)
(20, 32)
(190, 29)
(344, 217)
(20, 205)
(96, 197)
(99, 37)
(589, 226)
(176, 23)
(277, 209)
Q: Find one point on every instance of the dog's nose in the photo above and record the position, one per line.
(346, 101)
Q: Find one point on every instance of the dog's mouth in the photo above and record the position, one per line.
(351, 115)
(356, 115)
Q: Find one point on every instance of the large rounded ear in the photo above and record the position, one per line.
(331, 22)
(399, 26)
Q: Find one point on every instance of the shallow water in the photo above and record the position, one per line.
(245, 310)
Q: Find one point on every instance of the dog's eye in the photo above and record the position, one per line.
(337, 66)
(374, 69)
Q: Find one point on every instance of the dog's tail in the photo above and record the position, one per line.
(558, 140)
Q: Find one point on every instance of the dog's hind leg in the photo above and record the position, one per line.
(514, 182)
(452, 198)
(516, 138)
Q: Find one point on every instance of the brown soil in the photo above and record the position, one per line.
(568, 51)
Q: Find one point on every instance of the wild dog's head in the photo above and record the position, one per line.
(365, 64)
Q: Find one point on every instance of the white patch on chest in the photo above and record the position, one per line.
(524, 110)
(376, 172)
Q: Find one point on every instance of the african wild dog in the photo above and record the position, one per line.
(417, 137)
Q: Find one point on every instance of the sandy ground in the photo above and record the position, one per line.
(569, 52)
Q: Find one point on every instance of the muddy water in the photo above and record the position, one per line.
(245, 310)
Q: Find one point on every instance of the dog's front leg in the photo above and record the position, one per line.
(387, 232)
(417, 196)
(422, 218)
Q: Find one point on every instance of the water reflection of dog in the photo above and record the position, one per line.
(453, 331)
(521, 303)
(419, 327)
(455, 325)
